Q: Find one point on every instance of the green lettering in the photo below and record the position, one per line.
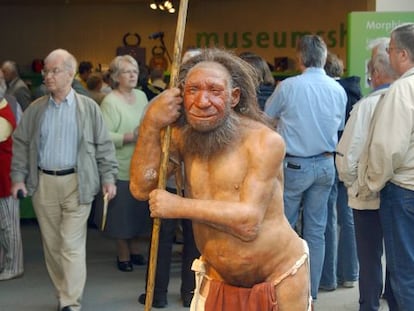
(342, 34)
(227, 43)
(247, 40)
(212, 36)
(331, 40)
(279, 42)
(262, 39)
(296, 35)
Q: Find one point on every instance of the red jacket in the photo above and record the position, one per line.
(6, 154)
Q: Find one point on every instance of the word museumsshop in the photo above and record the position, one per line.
(282, 39)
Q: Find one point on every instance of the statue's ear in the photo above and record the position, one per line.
(235, 97)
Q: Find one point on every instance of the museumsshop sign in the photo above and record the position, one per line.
(266, 39)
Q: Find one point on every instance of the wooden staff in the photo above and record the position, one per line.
(162, 181)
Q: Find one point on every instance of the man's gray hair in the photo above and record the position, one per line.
(312, 51)
(69, 61)
(381, 61)
(403, 36)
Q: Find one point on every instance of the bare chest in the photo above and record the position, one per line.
(220, 177)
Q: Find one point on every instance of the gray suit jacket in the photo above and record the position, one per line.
(96, 163)
(20, 90)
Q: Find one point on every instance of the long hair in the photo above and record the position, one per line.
(263, 71)
(242, 74)
(334, 66)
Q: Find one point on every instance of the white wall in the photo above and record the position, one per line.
(395, 6)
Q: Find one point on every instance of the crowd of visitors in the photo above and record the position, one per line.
(331, 185)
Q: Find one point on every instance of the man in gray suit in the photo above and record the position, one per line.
(15, 85)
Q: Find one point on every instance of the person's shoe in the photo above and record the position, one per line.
(327, 288)
(157, 302)
(67, 308)
(348, 284)
(186, 298)
(6, 275)
(138, 260)
(125, 266)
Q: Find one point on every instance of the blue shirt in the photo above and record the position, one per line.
(58, 146)
(310, 109)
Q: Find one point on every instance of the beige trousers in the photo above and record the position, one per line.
(63, 226)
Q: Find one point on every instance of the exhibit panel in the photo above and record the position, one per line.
(363, 27)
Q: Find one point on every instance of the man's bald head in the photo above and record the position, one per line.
(68, 60)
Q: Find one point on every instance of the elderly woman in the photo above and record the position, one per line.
(127, 219)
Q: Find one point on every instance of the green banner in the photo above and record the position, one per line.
(364, 27)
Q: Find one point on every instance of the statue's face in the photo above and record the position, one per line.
(208, 97)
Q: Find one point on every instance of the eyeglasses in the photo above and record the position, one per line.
(129, 72)
(53, 72)
(390, 48)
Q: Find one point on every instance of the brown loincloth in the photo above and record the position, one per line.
(214, 295)
(224, 297)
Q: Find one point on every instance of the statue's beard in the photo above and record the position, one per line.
(206, 143)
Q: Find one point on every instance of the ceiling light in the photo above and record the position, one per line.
(168, 5)
(163, 5)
